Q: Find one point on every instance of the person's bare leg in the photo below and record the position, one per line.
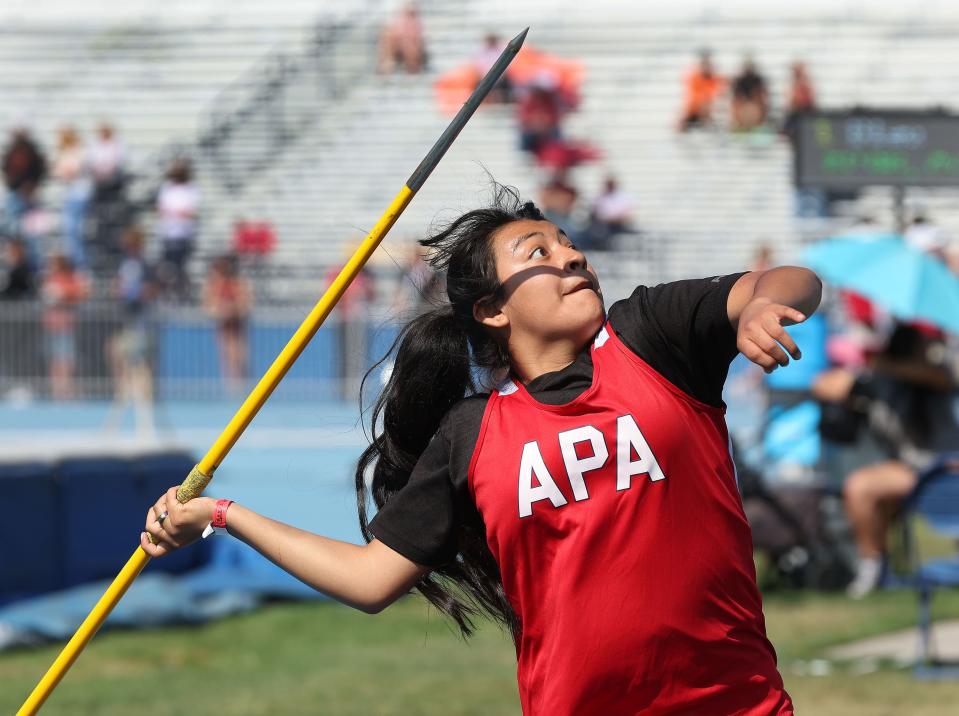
(871, 495)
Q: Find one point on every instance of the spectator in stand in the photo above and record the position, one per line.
(107, 159)
(63, 290)
(611, 214)
(802, 98)
(419, 288)
(352, 313)
(228, 299)
(401, 43)
(19, 279)
(178, 207)
(24, 168)
(539, 111)
(763, 259)
(750, 100)
(129, 348)
(69, 168)
(493, 45)
(906, 398)
(924, 235)
(253, 241)
(107, 164)
(557, 201)
(702, 87)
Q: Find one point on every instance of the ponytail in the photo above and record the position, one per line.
(437, 358)
(430, 373)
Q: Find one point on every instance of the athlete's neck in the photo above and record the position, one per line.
(532, 362)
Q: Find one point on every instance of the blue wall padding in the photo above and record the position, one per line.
(79, 520)
(29, 541)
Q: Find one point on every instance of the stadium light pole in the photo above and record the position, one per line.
(202, 473)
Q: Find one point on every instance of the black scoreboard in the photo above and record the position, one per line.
(852, 149)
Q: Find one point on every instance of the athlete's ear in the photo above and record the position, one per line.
(488, 312)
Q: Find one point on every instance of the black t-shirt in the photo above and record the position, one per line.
(681, 329)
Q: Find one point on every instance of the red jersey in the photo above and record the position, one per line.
(619, 532)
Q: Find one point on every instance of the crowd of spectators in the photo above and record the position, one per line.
(92, 246)
(742, 102)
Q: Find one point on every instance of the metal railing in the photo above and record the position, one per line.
(98, 350)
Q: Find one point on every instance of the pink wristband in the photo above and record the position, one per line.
(219, 513)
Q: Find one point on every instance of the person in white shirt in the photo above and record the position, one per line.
(178, 206)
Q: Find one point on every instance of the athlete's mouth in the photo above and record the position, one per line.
(580, 285)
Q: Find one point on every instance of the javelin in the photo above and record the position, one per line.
(202, 473)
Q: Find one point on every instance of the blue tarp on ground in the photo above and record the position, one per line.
(236, 580)
(295, 463)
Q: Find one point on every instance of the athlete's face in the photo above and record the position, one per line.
(549, 291)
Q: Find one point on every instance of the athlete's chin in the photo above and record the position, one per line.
(585, 319)
(585, 301)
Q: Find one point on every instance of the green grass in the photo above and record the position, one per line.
(323, 658)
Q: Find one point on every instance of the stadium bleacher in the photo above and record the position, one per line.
(159, 76)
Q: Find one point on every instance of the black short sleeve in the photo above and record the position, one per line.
(422, 520)
(682, 330)
(418, 520)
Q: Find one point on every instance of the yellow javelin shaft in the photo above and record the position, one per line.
(201, 475)
(220, 448)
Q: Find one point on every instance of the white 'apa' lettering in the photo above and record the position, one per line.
(628, 438)
(575, 467)
(532, 464)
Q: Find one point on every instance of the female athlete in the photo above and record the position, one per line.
(587, 501)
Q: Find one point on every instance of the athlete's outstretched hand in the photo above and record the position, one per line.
(182, 524)
(761, 336)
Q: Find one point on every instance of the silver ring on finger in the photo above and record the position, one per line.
(162, 516)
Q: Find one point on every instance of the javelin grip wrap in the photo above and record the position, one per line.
(193, 486)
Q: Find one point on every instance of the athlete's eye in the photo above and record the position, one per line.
(538, 248)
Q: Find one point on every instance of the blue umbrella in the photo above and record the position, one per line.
(904, 281)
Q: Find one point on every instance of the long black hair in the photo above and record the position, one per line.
(440, 358)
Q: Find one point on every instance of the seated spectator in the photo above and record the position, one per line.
(612, 214)
(419, 287)
(401, 43)
(702, 86)
(539, 111)
(802, 98)
(19, 278)
(228, 299)
(557, 201)
(763, 259)
(924, 235)
(63, 290)
(69, 168)
(907, 400)
(253, 237)
(502, 92)
(178, 208)
(24, 168)
(253, 241)
(108, 209)
(750, 100)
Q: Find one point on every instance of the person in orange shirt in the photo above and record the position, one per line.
(703, 86)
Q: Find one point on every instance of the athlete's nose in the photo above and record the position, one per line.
(574, 259)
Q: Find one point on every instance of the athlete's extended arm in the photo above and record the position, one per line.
(760, 303)
(367, 577)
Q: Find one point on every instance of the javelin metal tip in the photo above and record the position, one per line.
(517, 41)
